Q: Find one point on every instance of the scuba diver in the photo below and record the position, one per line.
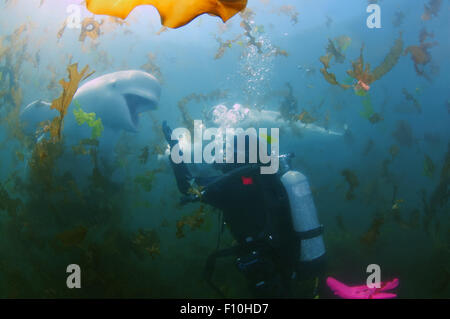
(271, 216)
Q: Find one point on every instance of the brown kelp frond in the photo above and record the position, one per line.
(193, 221)
(352, 181)
(390, 60)
(371, 235)
(62, 103)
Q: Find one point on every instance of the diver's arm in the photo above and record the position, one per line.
(211, 186)
(182, 174)
(217, 184)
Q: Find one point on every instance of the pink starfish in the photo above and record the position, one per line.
(362, 292)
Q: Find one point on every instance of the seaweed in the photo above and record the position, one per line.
(61, 31)
(12, 55)
(424, 35)
(368, 108)
(276, 51)
(193, 221)
(340, 223)
(371, 235)
(224, 45)
(394, 150)
(288, 10)
(55, 223)
(9, 204)
(146, 179)
(144, 155)
(251, 39)
(335, 52)
(369, 146)
(444, 281)
(90, 28)
(431, 9)
(375, 118)
(390, 60)
(385, 172)
(102, 60)
(47, 151)
(410, 97)
(440, 195)
(174, 13)
(147, 243)
(197, 97)
(352, 181)
(360, 71)
(428, 167)
(112, 23)
(343, 42)
(289, 106)
(419, 53)
(86, 147)
(43, 163)
(72, 237)
(329, 77)
(247, 14)
(306, 118)
(325, 60)
(398, 19)
(152, 67)
(403, 133)
(90, 119)
(62, 103)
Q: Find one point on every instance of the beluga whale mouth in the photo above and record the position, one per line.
(137, 104)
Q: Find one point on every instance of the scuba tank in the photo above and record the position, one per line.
(303, 212)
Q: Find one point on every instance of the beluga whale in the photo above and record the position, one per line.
(244, 117)
(117, 99)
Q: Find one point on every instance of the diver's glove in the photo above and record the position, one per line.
(167, 131)
(194, 193)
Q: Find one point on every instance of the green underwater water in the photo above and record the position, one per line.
(381, 191)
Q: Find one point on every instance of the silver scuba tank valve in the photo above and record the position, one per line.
(285, 161)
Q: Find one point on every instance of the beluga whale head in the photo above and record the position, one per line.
(118, 98)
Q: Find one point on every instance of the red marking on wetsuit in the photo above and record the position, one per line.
(247, 180)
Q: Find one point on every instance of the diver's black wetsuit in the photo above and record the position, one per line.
(256, 209)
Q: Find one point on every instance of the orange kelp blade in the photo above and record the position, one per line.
(174, 13)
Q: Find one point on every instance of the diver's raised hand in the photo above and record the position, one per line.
(166, 130)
